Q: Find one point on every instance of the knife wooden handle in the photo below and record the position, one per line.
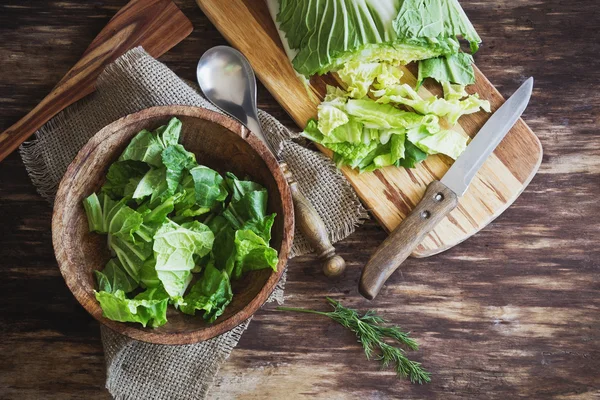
(437, 202)
(157, 25)
(311, 225)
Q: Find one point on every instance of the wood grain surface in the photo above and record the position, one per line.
(390, 193)
(222, 144)
(512, 313)
(157, 25)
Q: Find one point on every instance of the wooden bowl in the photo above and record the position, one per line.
(219, 143)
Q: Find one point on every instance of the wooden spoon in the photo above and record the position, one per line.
(157, 25)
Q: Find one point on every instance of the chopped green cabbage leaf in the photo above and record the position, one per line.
(455, 68)
(452, 109)
(211, 294)
(147, 308)
(174, 249)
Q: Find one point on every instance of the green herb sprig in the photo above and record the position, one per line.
(371, 334)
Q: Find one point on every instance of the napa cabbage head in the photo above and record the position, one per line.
(327, 34)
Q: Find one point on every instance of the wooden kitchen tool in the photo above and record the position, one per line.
(390, 193)
(157, 25)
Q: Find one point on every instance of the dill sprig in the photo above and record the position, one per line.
(371, 333)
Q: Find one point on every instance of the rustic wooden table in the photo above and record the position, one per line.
(514, 311)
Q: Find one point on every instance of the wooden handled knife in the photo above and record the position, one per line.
(441, 197)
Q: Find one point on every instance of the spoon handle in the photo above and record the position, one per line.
(311, 225)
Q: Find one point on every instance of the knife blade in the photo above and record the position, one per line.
(441, 197)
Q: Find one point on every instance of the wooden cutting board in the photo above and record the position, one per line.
(392, 192)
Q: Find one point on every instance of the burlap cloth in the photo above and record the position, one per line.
(137, 370)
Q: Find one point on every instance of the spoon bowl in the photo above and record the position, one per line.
(228, 81)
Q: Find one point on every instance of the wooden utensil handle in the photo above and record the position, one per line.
(157, 25)
(312, 226)
(437, 202)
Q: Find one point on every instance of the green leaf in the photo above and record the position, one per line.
(174, 248)
(359, 76)
(113, 277)
(252, 253)
(150, 182)
(385, 116)
(93, 211)
(146, 147)
(436, 21)
(185, 205)
(252, 205)
(330, 33)
(148, 275)
(209, 187)
(412, 156)
(175, 158)
(223, 250)
(124, 222)
(122, 178)
(169, 134)
(211, 294)
(131, 255)
(455, 68)
(452, 108)
(239, 188)
(147, 308)
(448, 142)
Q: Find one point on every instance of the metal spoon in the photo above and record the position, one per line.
(227, 80)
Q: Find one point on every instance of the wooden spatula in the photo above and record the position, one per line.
(157, 25)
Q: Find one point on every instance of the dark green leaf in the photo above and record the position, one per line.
(113, 277)
(223, 250)
(412, 156)
(146, 147)
(122, 178)
(252, 253)
(211, 294)
(175, 158)
(209, 187)
(169, 134)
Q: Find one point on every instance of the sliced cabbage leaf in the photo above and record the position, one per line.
(123, 177)
(147, 308)
(454, 68)
(435, 20)
(330, 117)
(93, 211)
(175, 158)
(359, 76)
(223, 251)
(148, 274)
(209, 187)
(385, 116)
(252, 253)
(113, 277)
(211, 294)
(453, 91)
(412, 156)
(451, 108)
(447, 142)
(174, 249)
